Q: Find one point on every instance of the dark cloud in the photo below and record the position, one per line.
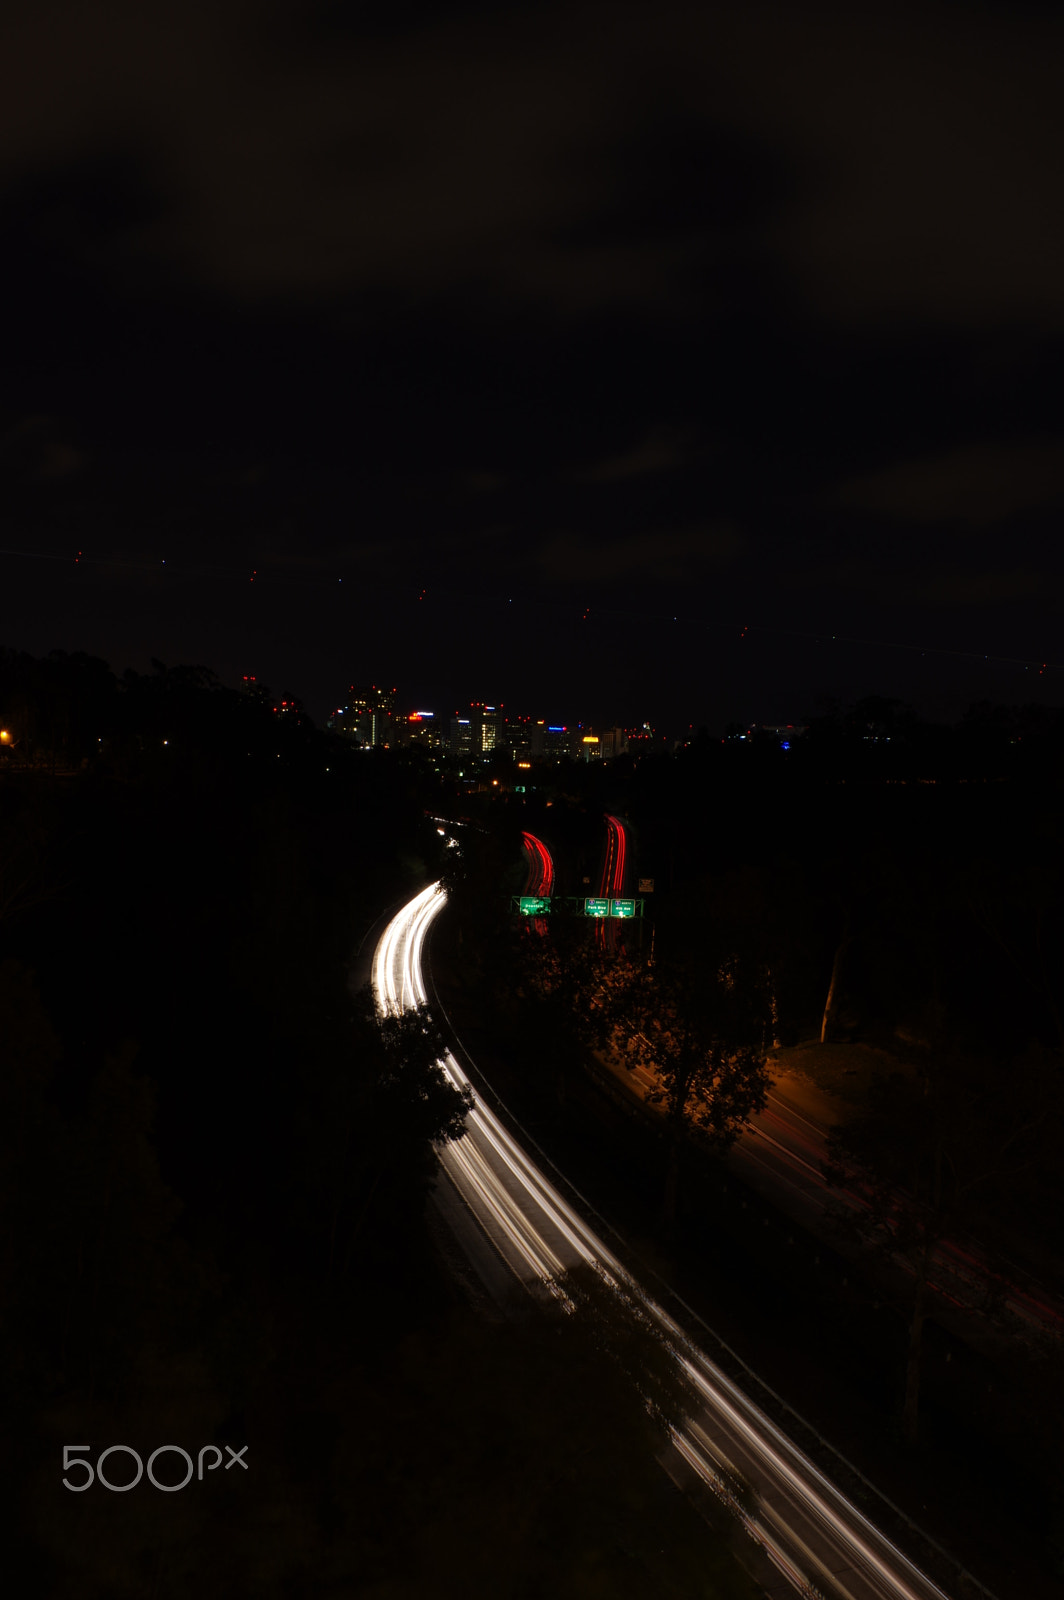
(656, 557)
(992, 588)
(388, 297)
(895, 160)
(659, 451)
(936, 580)
(975, 483)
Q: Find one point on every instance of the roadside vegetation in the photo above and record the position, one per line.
(900, 889)
(214, 1169)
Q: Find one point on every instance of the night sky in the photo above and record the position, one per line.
(532, 353)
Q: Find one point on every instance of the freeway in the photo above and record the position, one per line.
(615, 859)
(540, 878)
(782, 1152)
(817, 1542)
(613, 878)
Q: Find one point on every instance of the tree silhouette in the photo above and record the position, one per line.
(934, 1142)
(369, 1142)
(703, 1031)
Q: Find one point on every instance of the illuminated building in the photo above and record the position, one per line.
(461, 736)
(488, 727)
(641, 739)
(291, 709)
(782, 732)
(519, 736)
(251, 687)
(421, 728)
(481, 732)
(368, 718)
(550, 739)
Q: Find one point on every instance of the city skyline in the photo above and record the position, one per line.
(654, 420)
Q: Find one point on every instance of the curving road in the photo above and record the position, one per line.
(540, 877)
(513, 1221)
(613, 879)
(614, 873)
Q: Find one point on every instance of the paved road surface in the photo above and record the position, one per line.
(817, 1542)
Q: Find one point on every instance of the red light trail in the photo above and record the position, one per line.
(540, 867)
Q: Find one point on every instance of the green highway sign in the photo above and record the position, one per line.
(535, 905)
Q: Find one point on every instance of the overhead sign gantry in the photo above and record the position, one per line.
(531, 905)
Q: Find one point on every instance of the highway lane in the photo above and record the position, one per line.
(817, 1541)
(615, 860)
(540, 878)
(782, 1151)
(616, 871)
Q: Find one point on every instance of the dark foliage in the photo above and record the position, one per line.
(214, 1159)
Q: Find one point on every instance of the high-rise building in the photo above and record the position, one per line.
(640, 740)
(519, 736)
(368, 718)
(292, 709)
(420, 727)
(489, 727)
(552, 739)
(249, 685)
(479, 733)
(462, 734)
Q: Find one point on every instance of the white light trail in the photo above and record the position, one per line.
(539, 1235)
